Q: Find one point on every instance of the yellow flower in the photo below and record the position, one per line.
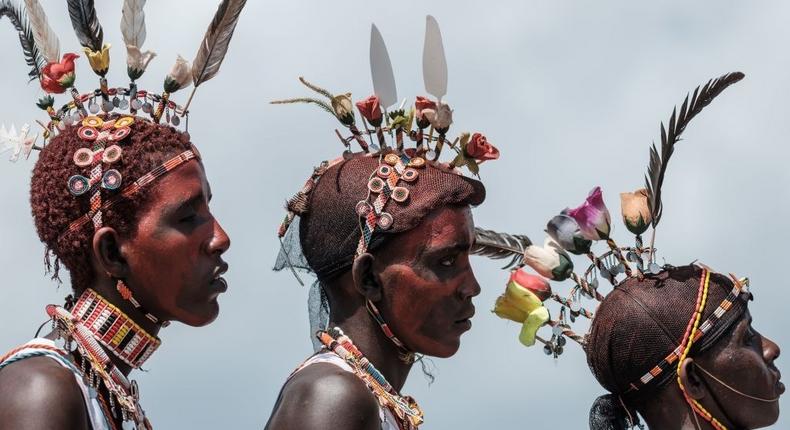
(99, 61)
(523, 303)
(635, 210)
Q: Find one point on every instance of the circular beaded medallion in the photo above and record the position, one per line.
(83, 157)
(111, 179)
(78, 185)
(375, 185)
(385, 221)
(112, 154)
(400, 194)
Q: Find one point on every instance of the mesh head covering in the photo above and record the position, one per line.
(640, 322)
(329, 231)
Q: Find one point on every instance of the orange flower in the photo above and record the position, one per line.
(57, 77)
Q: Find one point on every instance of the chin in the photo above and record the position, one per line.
(203, 316)
(444, 348)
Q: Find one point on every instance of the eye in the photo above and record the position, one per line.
(448, 261)
(188, 218)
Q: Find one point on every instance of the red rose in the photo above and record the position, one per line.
(56, 77)
(423, 103)
(371, 110)
(479, 148)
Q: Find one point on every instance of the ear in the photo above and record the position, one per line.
(107, 255)
(690, 378)
(365, 280)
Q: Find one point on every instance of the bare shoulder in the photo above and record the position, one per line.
(324, 396)
(38, 393)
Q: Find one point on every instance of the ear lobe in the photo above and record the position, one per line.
(691, 380)
(107, 255)
(365, 280)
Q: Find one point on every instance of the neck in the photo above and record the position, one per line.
(366, 334)
(107, 290)
(670, 410)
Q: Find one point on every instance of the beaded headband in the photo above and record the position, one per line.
(574, 231)
(103, 136)
(398, 165)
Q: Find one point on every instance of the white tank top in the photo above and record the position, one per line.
(95, 414)
(388, 421)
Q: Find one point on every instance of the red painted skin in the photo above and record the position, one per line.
(423, 285)
(744, 360)
(170, 263)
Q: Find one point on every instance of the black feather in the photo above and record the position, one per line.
(18, 18)
(669, 136)
(86, 24)
(498, 246)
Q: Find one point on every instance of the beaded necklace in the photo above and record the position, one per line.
(406, 410)
(88, 327)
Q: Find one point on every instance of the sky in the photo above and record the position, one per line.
(571, 92)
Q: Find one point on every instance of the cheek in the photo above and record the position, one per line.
(163, 264)
(420, 307)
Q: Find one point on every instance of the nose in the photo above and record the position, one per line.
(771, 350)
(470, 288)
(220, 242)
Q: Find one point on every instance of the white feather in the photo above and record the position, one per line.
(46, 39)
(381, 70)
(434, 63)
(133, 23)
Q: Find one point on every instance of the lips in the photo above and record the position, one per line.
(465, 322)
(218, 283)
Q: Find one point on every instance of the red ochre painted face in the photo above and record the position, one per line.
(175, 254)
(744, 360)
(428, 284)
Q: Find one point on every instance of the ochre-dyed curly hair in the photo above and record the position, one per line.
(54, 207)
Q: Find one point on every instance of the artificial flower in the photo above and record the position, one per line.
(550, 260)
(137, 61)
(180, 75)
(636, 211)
(523, 303)
(57, 77)
(479, 148)
(344, 108)
(371, 110)
(99, 60)
(593, 216)
(421, 104)
(18, 143)
(439, 117)
(565, 231)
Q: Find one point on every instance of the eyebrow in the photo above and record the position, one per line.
(189, 201)
(458, 247)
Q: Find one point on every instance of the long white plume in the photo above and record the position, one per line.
(46, 39)
(381, 70)
(133, 23)
(434, 63)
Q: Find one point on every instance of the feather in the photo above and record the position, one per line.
(320, 103)
(20, 21)
(498, 246)
(434, 63)
(86, 24)
(657, 166)
(381, 70)
(46, 39)
(133, 23)
(316, 88)
(215, 43)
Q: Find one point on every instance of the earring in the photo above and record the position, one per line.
(126, 293)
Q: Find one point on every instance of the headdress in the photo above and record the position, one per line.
(103, 116)
(632, 271)
(391, 184)
(102, 119)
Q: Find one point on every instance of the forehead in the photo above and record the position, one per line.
(445, 227)
(183, 183)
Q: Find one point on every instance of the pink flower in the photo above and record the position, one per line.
(419, 105)
(370, 110)
(57, 77)
(479, 148)
(592, 216)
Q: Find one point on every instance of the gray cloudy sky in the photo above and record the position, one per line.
(571, 92)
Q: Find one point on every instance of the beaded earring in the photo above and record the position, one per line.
(126, 293)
